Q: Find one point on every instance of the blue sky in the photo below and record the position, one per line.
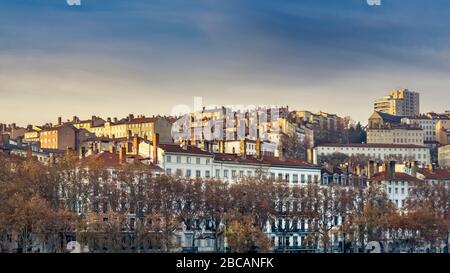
(114, 57)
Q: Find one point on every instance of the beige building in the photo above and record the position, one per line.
(400, 135)
(443, 131)
(385, 152)
(141, 126)
(59, 137)
(444, 156)
(401, 102)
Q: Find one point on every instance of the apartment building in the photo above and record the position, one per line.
(397, 135)
(384, 152)
(444, 156)
(141, 126)
(443, 131)
(396, 184)
(400, 102)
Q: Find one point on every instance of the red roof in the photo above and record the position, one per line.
(438, 174)
(175, 148)
(105, 158)
(373, 145)
(383, 176)
(266, 160)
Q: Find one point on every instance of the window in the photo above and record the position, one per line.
(309, 178)
(168, 158)
(207, 161)
(207, 174)
(287, 177)
(233, 173)
(302, 178)
(390, 190)
(295, 178)
(198, 173)
(241, 173)
(272, 176)
(403, 190)
(178, 159)
(217, 173)
(280, 176)
(179, 172)
(188, 160)
(396, 190)
(225, 173)
(249, 173)
(169, 171)
(188, 173)
(197, 161)
(316, 178)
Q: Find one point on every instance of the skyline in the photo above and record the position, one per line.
(146, 57)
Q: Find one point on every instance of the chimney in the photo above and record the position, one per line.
(122, 155)
(155, 143)
(112, 149)
(221, 146)
(115, 119)
(29, 152)
(310, 155)
(130, 117)
(414, 165)
(283, 154)
(370, 169)
(108, 120)
(392, 168)
(258, 148)
(243, 148)
(136, 145)
(60, 121)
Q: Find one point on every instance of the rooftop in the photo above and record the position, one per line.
(373, 145)
(384, 176)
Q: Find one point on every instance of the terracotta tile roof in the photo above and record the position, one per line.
(266, 160)
(372, 145)
(438, 174)
(175, 148)
(106, 158)
(383, 176)
(141, 120)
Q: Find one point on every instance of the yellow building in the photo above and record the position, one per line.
(140, 126)
(443, 131)
(32, 135)
(59, 137)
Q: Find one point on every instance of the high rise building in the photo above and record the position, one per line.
(401, 102)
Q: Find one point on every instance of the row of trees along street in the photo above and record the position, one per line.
(128, 210)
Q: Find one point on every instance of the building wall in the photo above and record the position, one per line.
(421, 155)
(444, 156)
(395, 136)
(428, 125)
(49, 139)
(441, 131)
(400, 102)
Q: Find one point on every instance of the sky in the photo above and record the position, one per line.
(114, 57)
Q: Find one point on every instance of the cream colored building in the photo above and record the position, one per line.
(444, 156)
(403, 135)
(385, 152)
(141, 126)
(443, 131)
(401, 102)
